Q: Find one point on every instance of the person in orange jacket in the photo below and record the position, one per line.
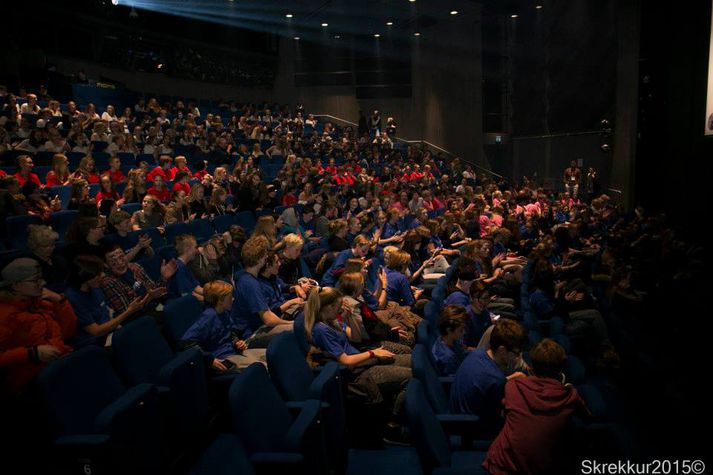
(35, 323)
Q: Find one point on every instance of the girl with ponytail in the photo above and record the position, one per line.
(378, 375)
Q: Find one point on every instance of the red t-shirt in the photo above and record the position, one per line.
(112, 195)
(93, 178)
(31, 176)
(201, 174)
(182, 186)
(116, 176)
(161, 195)
(289, 200)
(51, 179)
(172, 172)
(157, 171)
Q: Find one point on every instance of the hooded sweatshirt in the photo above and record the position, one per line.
(536, 412)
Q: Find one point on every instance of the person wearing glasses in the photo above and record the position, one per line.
(86, 237)
(35, 324)
(480, 380)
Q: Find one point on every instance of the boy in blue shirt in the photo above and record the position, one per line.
(461, 294)
(448, 349)
(480, 381)
(251, 310)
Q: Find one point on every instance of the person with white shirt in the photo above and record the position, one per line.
(109, 114)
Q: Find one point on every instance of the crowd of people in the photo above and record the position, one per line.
(351, 235)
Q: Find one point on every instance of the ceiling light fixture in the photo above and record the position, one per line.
(389, 23)
(325, 25)
(289, 15)
(454, 12)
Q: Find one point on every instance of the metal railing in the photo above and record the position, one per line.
(423, 144)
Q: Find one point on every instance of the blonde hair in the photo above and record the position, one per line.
(388, 250)
(398, 260)
(337, 225)
(318, 299)
(293, 240)
(215, 291)
(83, 166)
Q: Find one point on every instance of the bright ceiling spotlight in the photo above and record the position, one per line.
(454, 12)
(389, 23)
(325, 25)
(289, 15)
(514, 16)
(296, 38)
(417, 34)
(376, 35)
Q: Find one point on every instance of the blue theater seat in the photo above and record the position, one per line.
(98, 421)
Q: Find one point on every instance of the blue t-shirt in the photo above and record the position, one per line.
(498, 248)
(399, 288)
(475, 326)
(478, 388)
(457, 297)
(436, 241)
(541, 304)
(330, 279)
(249, 301)
(332, 341)
(272, 290)
(448, 359)
(390, 230)
(183, 281)
(90, 307)
(213, 332)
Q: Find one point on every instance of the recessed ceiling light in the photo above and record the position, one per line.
(514, 16)
(389, 23)
(297, 38)
(336, 37)
(289, 15)
(539, 7)
(417, 34)
(454, 12)
(325, 25)
(376, 35)
(412, 1)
